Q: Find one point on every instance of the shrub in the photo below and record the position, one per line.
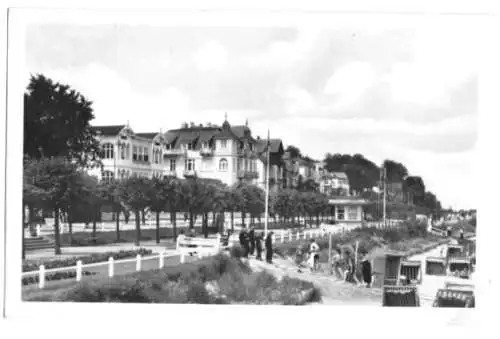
(34, 279)
(30, 265)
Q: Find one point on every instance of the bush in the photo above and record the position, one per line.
(34, 279)
(30, 265)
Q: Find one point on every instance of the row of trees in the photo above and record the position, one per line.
(59, 186)
(363, 175)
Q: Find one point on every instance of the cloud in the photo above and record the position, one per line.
(350, 82)
(212, 56)
(285, 54)
(116, 102)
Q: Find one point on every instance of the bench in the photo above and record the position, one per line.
(203, 246)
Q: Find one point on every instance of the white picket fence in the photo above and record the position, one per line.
(41, 272)
(202, 247)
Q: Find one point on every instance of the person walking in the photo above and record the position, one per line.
(269, 248)
(366, 269)
(448, 230)
(337, 263)
(461, 234)
(313, 255)
(251, 239)
(258, 245)
(244, 242)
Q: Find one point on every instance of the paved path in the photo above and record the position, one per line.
(79, 251)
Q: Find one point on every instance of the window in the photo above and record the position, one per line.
(107, 151)
(172, 164)
(107, 176)
(190, 164)
(168, 147)
(134, 153)
(223, 165)
(352, 213)
(123, 150)
(146, 154)
(340, 213)
(238, 164)
(223, 143)
(127, 155)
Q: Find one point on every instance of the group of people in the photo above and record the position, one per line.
(343, 262)
(251, 242)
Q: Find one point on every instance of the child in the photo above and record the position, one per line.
(314, 255)
(299, 258)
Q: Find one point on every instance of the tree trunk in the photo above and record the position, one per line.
(118, 226)
(213, 220)
(137, 227)
(174, 223)
(70, 228)
(205, 224)
(127, 216)
(243, 219)
(57, 236)
(232, 221)
(191, 220)
(94, 226)
(143, 216)
(24, 222)
(158, 227)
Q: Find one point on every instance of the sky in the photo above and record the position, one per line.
(406, 94)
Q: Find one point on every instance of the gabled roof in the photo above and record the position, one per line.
(340, 175)
(149, 136)
(276, 144)
(108, 130)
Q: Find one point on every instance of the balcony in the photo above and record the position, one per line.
(189, 173)
(173, 152)
(248, 175)
(206, 151)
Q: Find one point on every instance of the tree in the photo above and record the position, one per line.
(158, 197)
(134, 194)
(293, 151)
(395, 171)
(361, 172)
(56, 180)
(415, 187)
(32, 195)
(57, 123)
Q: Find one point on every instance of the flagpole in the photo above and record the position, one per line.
(267, 187)
(385, 194)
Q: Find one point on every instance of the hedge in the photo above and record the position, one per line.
(32, 265)
(34, 279)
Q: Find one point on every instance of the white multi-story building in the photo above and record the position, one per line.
(125, 153)
(227, 153)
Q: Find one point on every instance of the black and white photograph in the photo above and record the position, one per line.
(305, 160)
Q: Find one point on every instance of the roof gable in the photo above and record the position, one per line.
(108, 130)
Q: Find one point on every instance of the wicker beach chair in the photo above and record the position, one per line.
(400, 296)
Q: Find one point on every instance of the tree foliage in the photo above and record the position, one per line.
(57, 123)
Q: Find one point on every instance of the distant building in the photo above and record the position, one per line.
(334, 183)
(276, 169)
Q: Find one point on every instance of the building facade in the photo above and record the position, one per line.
(226, 153)
(334, 183)
(125, 154)
(276, 169)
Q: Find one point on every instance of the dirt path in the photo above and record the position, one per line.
(336, 292)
